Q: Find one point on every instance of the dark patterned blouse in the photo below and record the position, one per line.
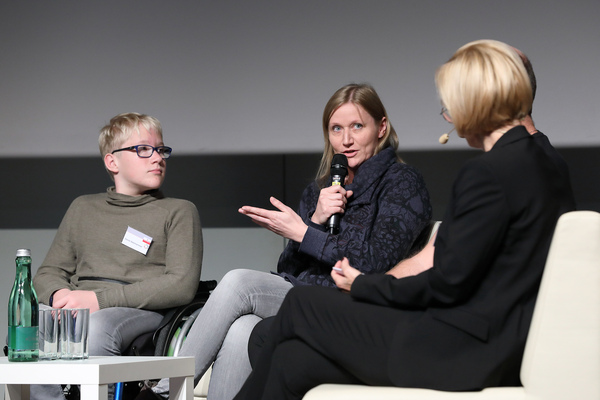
(388, 209)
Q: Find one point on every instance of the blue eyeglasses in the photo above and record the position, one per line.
(146, 151)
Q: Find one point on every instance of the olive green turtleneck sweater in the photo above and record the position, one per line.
(88, 244)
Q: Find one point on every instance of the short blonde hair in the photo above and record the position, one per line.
(120, 128)
(484, 86)
(365, 96)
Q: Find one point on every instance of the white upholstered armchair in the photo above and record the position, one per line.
(562, 355)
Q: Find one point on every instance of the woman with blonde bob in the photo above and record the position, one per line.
(385, 206)
(485, 88)
(460, 323)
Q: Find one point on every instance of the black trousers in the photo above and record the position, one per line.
(258, 339)
(322, 335)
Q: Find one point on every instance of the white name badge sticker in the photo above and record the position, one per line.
(136, 240)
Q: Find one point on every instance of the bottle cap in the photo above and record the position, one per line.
(23, 253)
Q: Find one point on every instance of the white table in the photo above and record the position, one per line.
(95, 373)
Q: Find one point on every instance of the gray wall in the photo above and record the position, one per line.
(253, 76)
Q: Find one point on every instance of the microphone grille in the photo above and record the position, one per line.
(339, 164)
(340, 159)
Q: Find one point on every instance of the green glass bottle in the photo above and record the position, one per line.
(23, 313)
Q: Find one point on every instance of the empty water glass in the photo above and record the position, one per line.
(48, 333)
(74, 326)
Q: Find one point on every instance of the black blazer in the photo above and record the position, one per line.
(468, 317)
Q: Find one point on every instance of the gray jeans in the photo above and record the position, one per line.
(111, 331)
(221, 331)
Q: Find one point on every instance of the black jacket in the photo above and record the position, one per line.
(472, 310)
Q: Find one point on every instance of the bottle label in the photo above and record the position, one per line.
(23, 338)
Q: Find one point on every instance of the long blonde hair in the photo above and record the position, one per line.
(365, 96)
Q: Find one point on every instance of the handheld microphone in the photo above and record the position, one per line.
(339, 170)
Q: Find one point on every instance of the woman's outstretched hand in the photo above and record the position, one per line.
(284, 222)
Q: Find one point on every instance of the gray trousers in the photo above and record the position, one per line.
(221, 331)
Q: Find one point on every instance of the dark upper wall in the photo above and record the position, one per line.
(37, 191)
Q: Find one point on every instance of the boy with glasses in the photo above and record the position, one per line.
(128, 253)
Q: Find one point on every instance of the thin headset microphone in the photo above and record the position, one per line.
(444, 138)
